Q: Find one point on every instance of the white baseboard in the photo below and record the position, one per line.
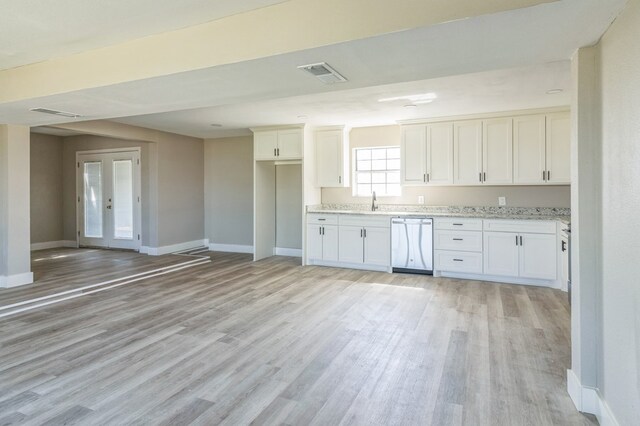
(361, 266)
(54, 244)
(282, 251)
(589, 400)
(16, 280)
(231, 248)
(496, 278)
(159, 251)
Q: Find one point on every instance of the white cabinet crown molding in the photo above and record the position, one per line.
(483, 116)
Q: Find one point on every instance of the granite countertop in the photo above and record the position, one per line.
(521, 213)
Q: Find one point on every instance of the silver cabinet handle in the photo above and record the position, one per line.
(109, 207)
(516, 240)
(339, 179)
(458, 239)
(361, 233)
(424, 177)
(428, 178)
(274, 152)
(480, 176)
(520, 239)
(457, 224)
(484, 176)
(458, 260)
(365, 232)
(543, 175)
(548, 175)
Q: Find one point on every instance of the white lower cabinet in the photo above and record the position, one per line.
(322, 242)
(530, 254)
(377, 246)
(357, 241)
(515, 251)
(351, 244)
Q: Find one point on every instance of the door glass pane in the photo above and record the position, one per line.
(93, 199)
(123, 199)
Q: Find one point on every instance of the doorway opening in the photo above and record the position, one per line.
(109, 198)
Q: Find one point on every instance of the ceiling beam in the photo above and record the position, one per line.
(286, 27)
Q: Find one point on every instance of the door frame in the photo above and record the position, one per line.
(137, 188)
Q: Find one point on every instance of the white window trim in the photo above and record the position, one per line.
(354, 172)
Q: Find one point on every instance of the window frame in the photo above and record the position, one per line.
(354, 173)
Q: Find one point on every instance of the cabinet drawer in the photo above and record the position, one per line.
(521, 226)
(455, 261)
(364, 221)
(458, 240)
(458, 223)
(322, 218)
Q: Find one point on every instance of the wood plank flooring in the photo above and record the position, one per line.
(236, 342)
(57, 270)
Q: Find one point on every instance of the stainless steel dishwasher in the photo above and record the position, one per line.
(412, 244)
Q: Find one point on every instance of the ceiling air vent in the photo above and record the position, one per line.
(323, 72)
(55, 112)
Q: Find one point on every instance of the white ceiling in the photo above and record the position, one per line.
(33, 31)
(490, 91)
(273, 91)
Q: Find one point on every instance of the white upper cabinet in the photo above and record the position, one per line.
(558, 147)
(439, 154)
(265, 145)
(505, 150)
(332, 163)
(467, 152)
(413, 155)
(283, 144)
(497, 151)
(529, 149)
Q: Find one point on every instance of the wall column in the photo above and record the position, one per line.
(586, 227)
(15, 233)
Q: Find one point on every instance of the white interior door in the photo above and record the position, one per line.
(109, 199)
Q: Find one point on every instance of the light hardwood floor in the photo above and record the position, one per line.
(237, 342)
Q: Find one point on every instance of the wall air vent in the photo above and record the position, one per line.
(323, 72)
(55, 112)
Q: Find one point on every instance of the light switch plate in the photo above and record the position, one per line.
(420, 199)
(502, 201)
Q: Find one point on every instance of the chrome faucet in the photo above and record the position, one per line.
(373, 202)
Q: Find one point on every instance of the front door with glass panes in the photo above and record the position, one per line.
(108, 185)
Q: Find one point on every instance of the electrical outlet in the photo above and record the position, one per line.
(420, 199)
(502, 201)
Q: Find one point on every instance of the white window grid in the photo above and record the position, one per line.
(377, 169)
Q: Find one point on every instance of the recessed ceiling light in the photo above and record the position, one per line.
(215, 125)
(410, 106)
(419, 98)
(554, 91)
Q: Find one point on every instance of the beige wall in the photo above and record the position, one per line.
(180, 189)
(619, 364)
(229, 190)
(519, 196)
(289, 206)
(46, 188)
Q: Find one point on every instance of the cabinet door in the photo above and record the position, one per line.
(501, 254)
(538, 256)
(497, 151)
(467, 152)
(329, 161)
(413, 155)
(290, 144)
(351, 245)
(314, 242)
(559, 148)
(265, 145)
(330, 243)
(529, 149)
(440, 154)
(377, 250)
